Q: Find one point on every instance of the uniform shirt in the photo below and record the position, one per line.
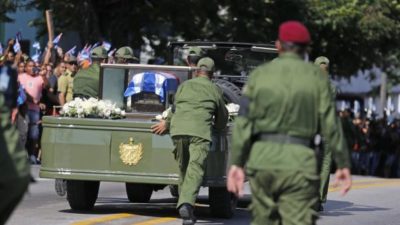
(197, 101)
(66, 84)
(86, 81)
(33, 85)
(287, 96)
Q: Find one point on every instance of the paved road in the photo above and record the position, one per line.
(373, 201)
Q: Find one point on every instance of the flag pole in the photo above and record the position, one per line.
(50, 26)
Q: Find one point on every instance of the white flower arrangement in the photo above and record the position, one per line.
(92, 108)
(164, 114)
(233, 110)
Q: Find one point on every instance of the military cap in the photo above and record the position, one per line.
(206, 64)
(294, 31)
(195, 51)
(98, 53)
(125, 52)
(321, 60)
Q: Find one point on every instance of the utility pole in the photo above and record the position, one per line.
(383, 93)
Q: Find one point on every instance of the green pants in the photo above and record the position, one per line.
(283, 197)
(325, 161)
(14, 168)
(191, 154)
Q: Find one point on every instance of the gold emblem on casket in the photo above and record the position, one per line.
(131, 153)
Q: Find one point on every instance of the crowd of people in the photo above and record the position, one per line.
(46, 83)
(374, 144)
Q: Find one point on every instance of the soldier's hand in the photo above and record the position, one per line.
(343, 179)
(159, 128)
(14, 115)
(235, 181)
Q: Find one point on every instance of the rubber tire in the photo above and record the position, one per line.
(139, 193)
(231, 92)
(82, 195)
(222, 203)
(174, 190)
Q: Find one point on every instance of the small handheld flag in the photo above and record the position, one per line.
(57, 39)
(36, 45)
(106, 45)
(17, 46)
(71, 51)
(1, 49)
(111, 53)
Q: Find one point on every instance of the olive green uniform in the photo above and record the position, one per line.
(290, 98)
(196, 102)
(14, 168)
(66, 84)
(86, 82)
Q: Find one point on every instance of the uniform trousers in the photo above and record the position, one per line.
(283, 197)
(191, 153)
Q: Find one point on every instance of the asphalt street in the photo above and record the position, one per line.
(373, 201)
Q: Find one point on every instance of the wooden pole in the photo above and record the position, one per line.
(50, 26)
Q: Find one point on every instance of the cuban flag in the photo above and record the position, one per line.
(21, 95)
(154, 82)
(111, 53)
(1, 49)
(17, 46)
(106, 45)
(36, 45)
(71, 51)
(57, 39)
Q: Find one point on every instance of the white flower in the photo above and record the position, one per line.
(159, 117)
(123, 113)
(165, 113)
(118, 111)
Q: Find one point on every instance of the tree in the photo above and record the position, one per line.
(7, 6)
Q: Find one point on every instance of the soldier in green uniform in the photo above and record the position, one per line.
(86, 81)
(198, 107)
(283, 105)
(124, 55)
(66, 81)
(14, 167)
(324, 155)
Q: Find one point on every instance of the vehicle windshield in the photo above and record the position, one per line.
(229, 60)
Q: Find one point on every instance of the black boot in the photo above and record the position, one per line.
(187, 215)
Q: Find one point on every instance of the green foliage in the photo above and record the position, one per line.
(5, 7)
(354, 34)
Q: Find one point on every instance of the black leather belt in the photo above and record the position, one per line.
(284, 139)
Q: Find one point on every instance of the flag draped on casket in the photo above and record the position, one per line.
(153, 82)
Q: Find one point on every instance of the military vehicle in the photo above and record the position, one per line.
(86, 151)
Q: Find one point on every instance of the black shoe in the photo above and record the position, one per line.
(320, 208)
(187, 215)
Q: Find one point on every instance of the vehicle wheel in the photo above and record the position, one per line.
(139, 192)
(222, 203)
(60, 186)
(82, 195)
(231, 92)
(174, 190)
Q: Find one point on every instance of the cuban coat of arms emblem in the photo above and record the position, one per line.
(131, 153)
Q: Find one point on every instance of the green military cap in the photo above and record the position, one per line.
(321, 60)
(98, 53)
(125, 52)
(195, 51)
(206, 64)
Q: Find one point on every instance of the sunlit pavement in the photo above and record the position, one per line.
(373, 201)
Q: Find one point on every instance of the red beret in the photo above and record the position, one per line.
(294, 31)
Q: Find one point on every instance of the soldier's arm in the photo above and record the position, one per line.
(331, 128)
(243, 127)
(221, 114)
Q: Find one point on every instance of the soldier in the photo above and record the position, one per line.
(324, 155)
(86, 81)
(124, 55)
(272, 136)
(14, 167)
(197, 101)
(66, 81)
